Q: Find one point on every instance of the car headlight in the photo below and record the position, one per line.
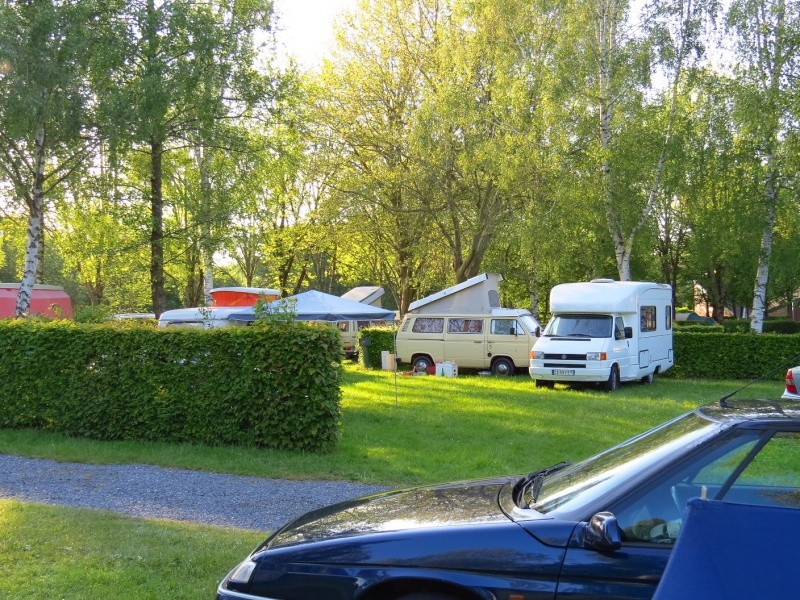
(243, 572)
(537, 355)
(595, 356)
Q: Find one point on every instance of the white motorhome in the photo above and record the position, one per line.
(605, 331)
(465, 324)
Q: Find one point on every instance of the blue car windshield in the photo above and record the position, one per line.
(578, 325)
(581, 484)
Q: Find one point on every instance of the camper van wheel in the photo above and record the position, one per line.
(651, 378)
(503, 366)
(613, 379)
(421, 364)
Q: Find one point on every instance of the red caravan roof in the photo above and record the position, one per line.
(241, 296)
(47, 300)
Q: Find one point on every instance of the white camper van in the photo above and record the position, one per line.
(605, 331)
(465, 324)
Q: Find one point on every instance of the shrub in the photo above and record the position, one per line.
(380, 339)
(732, 356)
(271, 386)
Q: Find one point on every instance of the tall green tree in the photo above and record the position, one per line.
(45, 108)
(369, 96)
(768, 52)
(167, 88)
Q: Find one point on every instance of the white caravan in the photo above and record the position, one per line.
(605, 331)
(224, 302)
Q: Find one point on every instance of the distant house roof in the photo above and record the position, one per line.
(366, 294)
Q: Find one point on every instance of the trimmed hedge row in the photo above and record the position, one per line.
(380, 339)
(272, 386)
(732, 355)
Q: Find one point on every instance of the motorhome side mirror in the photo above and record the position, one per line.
(538, 332)
(628, 333)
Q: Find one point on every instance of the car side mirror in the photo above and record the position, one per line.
(628, 333)
(602, 533)
(538, 332)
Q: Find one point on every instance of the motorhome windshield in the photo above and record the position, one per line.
(577, 325)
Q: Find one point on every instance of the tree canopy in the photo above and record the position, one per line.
(154, 149)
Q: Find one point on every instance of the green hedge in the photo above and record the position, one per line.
(269, 386)
(732, 355)
(380, 339)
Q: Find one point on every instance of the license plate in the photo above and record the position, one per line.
(568, 372)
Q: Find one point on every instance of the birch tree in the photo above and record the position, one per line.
(44, 109)
(768, 53)
(671, 36)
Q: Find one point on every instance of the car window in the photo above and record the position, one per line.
(772, 478)
(586, 482)
(655, 513)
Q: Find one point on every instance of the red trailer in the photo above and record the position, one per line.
(47, 300)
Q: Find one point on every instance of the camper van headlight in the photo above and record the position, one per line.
(595, 356)
(537, 355)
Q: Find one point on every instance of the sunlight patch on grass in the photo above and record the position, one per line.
(79, 554)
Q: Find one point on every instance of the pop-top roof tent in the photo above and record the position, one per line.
(729, 551)
(366, 294)
(47, 300)
(318, 306)
(477, 295)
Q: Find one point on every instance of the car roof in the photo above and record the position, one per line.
(756, 411)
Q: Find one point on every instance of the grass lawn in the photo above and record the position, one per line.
(395, 431)
(80, 554)
(408, 430)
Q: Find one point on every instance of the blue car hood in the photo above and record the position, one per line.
(466, 503)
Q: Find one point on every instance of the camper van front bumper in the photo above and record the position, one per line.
(568, 372)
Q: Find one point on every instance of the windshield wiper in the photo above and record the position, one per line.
(533, 482)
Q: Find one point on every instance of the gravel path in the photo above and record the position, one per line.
(178, 494)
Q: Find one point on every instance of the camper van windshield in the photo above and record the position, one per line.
(594, 326)
(530, 323)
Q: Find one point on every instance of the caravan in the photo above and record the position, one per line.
(605, 331)
(225, 301)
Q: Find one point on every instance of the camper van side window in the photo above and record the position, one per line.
(669, 318)
(505, 327)
(648, 318)
(428, 325)
(465, 326)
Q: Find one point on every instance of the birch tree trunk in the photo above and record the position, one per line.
(771, 61)
(35, 201)
(206, 243)
(762, 272)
